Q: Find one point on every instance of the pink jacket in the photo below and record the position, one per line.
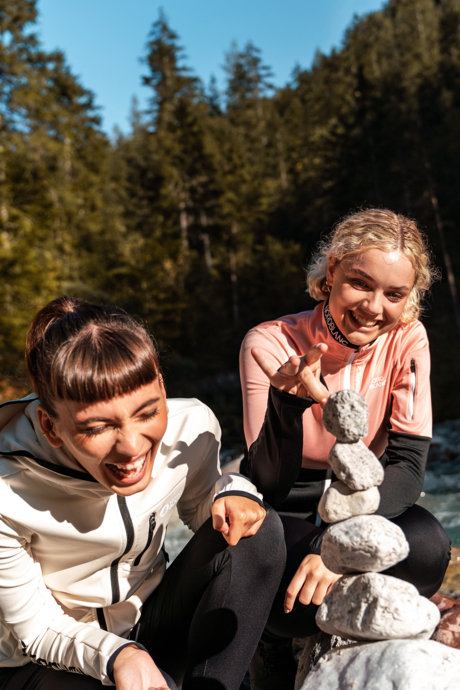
(392, 374)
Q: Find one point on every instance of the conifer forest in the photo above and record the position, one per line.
(202, 219)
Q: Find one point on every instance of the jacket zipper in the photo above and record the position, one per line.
(152, 525)
(412, 382)
(129, 528)
(347, 374)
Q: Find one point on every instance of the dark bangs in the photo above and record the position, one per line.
(102, 363)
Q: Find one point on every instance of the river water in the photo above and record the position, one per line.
(441, 489)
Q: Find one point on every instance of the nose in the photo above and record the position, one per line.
(373, 303)
(129, 442)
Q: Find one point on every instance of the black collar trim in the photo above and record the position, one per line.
(67, 471)
(334, 331)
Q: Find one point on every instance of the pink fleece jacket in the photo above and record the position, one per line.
(392, 374)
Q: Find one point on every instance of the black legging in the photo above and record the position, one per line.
(424, 567)
(202, 623)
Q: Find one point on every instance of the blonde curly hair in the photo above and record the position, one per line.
(375, 229)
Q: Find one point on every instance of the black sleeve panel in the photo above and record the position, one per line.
(274, 460)
(404, 461)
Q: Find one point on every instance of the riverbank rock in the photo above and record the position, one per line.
(451, 584)
(448, 629)
(388, 665)
(340, 502)
(376, 607)
(367, 543)
(355, 465)
(312, 649)
(346, 415)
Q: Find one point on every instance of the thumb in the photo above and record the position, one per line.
(219, 521)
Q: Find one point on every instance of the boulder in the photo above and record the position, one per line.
(355, 465)
(363, 544)
(389, 665)
(340, 502)
(312, 649)
(346, 415)
(376, 607)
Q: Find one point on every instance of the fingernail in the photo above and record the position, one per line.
(286, 610)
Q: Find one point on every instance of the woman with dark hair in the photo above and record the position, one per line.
(369, 278)
(91, 466)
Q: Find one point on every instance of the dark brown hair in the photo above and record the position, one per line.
(87, 353)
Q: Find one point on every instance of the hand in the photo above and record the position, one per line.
(299, 375)
(135, 669)
(236, 516)
(313, 580)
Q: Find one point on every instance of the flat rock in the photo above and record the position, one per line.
(340, 502)
(356, 466)
(376, 607)
(346, 415)
(367, 543)
(389, 665)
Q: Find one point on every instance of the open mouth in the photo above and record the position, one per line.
(360, 321)
(129, 470)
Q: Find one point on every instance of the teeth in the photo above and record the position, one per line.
(129, 469)
(362, 321)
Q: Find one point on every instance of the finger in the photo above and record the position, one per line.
(320, 592)
(317, 390)
(237, 528)
(253, 524)
(315, 353)
(219, 518)
(292, 591)
(264, 363)
(291, 367)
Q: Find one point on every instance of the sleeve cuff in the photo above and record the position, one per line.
(112, 659)
(245, 494)
(296, 401)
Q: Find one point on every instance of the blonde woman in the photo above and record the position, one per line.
(369, 278)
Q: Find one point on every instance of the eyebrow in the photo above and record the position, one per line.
(365, 275)
(91, 420)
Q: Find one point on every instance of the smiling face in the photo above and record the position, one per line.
(369, 291)
(115, 440)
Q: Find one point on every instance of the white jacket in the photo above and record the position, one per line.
(76, 560)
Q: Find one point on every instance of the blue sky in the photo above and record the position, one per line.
(104, 40)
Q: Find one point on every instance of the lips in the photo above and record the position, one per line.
(130, 471)
(366, 323)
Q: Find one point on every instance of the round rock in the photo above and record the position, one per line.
(340, 502)
(345, 415)
(355, 465)
(367, 543)
(388, 665)
(377, 607)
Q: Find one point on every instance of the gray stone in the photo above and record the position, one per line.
(345, 415)
(376, 607)
(340, 502)
(356, 466)
(312, 649)
(362, 544)
(389, 665)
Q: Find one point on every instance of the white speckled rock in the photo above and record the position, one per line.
(376, 607)
(367, 543)
(389, 665)
(340, 503)
(345, 415)
(356, 466)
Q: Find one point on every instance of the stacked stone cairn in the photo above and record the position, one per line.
(364, 605)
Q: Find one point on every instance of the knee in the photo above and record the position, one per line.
(429, 554)
(267, 549)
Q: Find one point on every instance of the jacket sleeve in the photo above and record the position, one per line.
(35, 620)
(410, 428)
(205, 482)
(274, 459)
